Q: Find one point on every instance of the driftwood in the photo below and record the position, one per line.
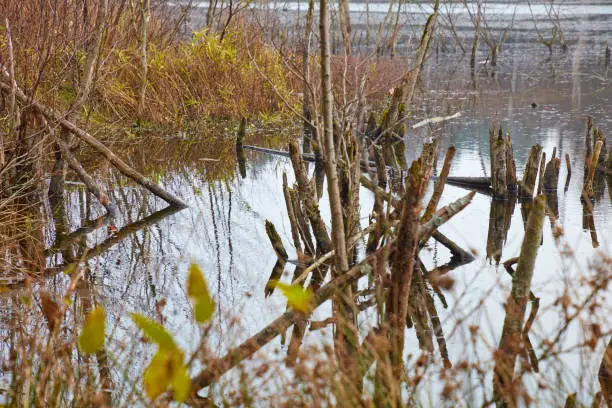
(426, 231)
(459, 255)
(309, 157)
(475, 182)
(123, 167)
(89, 182)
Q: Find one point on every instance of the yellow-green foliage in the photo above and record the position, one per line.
(204, 77)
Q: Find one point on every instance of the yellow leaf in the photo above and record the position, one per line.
(197, 290)
(156, 377)
(167, 370)
(92, 335)
(154, 331)
(181, 383)
(297, 297)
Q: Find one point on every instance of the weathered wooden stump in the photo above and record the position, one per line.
(527, 185)
(551, 174)
(497, 145)
(591, 168)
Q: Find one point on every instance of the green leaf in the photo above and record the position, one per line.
(154, 331)
(297, 297)
(92, 335)
(197, 290)
(167, 370)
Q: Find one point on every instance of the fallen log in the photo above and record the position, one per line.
(123, 167)
(89, 182)
(477, 182)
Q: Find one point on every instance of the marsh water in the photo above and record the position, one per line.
(142, 263)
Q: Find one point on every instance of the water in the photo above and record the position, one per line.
(142, 267)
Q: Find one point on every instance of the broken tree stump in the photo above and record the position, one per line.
(551, 174)
(497, 145)
(541, 175)
(591, 167)
(527, 185)
(511, 181)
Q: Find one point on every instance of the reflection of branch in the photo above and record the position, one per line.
(107, 244)
(220, 366)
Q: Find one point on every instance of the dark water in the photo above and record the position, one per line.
(223, 231)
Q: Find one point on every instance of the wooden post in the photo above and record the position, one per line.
(568, 164)
(527, 184)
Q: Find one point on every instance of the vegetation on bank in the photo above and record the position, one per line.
(189, 75)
